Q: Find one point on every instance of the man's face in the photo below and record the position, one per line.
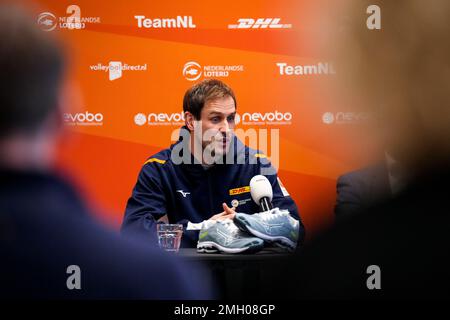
(217, 125)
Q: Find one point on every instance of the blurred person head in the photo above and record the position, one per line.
(401, 74)
(45, 226)
(210, 108)
(31, 65)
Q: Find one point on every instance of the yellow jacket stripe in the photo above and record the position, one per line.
(155, 160)
(260, 155)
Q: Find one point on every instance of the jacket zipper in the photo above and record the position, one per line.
(210, 194)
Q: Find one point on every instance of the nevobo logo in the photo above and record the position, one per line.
(83, 119)
(158, 119)
(266, 118)
(345, 117)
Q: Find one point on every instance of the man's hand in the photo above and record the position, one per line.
(228, 213)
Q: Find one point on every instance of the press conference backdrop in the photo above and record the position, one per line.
(132, 61)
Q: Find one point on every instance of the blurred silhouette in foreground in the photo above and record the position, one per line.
(402, 72)
(44, 226)
(362, 189)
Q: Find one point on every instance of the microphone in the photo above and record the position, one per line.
(261, 192)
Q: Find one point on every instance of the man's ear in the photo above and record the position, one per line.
(189, 120)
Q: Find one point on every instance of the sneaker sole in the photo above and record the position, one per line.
(280, 241)
(212, 247)
(206, 249)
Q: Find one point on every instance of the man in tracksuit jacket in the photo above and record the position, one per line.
(176, 184)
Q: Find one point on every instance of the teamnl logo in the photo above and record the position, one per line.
(320, 68)
(179, 22)
(115, 69)
(264, 118)
(330, 118)
(192, 70)
(159, 119)
(47, 21)
(260, 23)
(83, 119)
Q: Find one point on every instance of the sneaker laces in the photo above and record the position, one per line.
(231, 228)
(268, 215)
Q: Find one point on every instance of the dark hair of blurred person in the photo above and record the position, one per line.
(44, 225)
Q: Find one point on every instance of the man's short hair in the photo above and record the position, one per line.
(196, 97)
(31, 65)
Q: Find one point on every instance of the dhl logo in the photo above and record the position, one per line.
(239, 190)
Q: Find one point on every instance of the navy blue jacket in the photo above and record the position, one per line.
(45, 227)
(188, 192)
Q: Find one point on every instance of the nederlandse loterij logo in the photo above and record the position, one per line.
(115, 69)
(179, 22)
(47, 21)
(83, 119)
(192, 70)
(302, 70)
(260, 23)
